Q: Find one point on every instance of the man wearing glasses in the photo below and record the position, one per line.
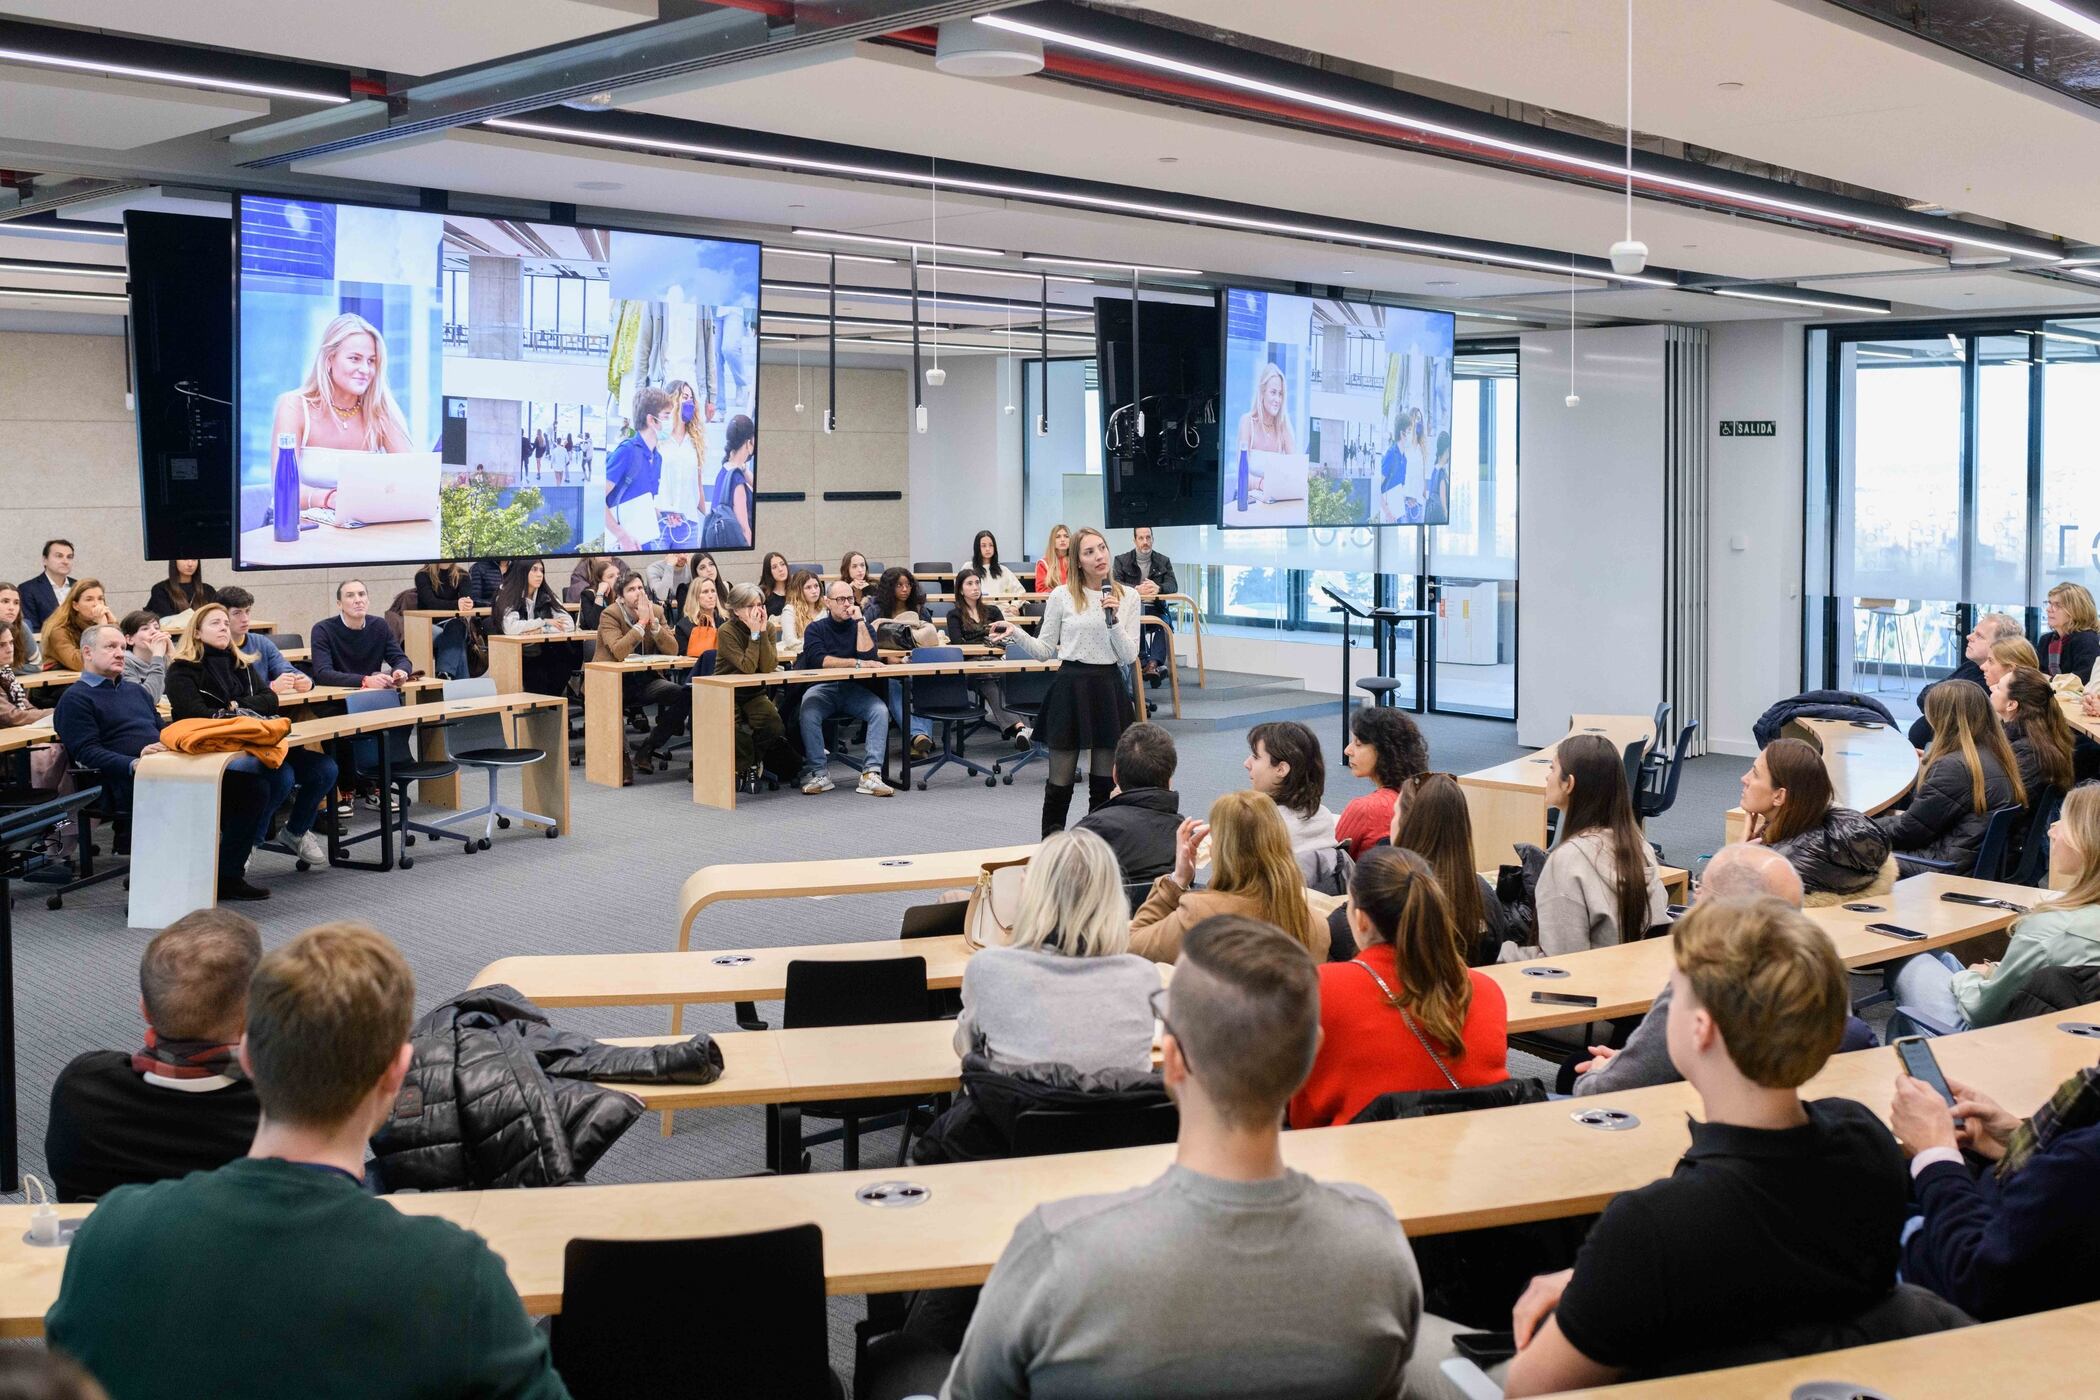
(1174, 1288)
(840, 641)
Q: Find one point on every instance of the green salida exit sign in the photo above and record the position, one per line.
(1749, 427)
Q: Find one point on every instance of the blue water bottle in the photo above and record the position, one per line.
(284, 495)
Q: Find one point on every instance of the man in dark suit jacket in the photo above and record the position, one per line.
(1151, 574)
(1990, 629)
(41, 595)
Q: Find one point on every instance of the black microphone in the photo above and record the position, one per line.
(1108, 601)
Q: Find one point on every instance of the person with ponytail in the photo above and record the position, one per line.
(1406, 1014)
(2042, 739)
(1600, 885)
(1967, 774)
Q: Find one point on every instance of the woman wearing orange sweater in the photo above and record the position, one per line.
(1406, 1014)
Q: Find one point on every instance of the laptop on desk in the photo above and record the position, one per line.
(373, 488)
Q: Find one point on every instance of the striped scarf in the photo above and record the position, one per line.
(2074, 1105)
(185, 1059)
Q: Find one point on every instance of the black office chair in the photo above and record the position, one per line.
(2033, 865)
(933, 566)
(1662, 727)
(938, 921)
(762, 1332)
(286, 641)
(103, 809)
(1023, 693)
(820, 992)
(1990, 851)
(950, 703)
(406, 768)
(1658, 791)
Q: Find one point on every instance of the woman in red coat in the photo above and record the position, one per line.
(1406, 1013)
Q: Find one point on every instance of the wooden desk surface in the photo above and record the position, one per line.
(572, 634)
(31, 680)
(929, 870)
(1528, 774)
(2071, 705)
(654, 662)
(654, 979)
(25, 736)
(1626, 978)
(2038, 1354)
(1455, 1172)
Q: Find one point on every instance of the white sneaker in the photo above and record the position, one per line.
(312, 849)
(872, 785)
(816, 783)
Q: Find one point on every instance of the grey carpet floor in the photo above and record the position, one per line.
(611, 885)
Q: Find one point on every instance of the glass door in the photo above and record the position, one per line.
(1472, 578)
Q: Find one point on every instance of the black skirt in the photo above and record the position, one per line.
(1087, 708)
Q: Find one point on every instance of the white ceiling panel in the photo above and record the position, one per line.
(399, 36)
(490, 163)
(1660, 304)
(1813, 88)
(1969, 291)
(110, 113)
(897, 101)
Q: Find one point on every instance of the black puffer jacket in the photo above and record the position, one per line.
(1820, 704)
(1841, 856)
(1942, 823)
(497, 1097)
(1140, 827)
(980, 1125)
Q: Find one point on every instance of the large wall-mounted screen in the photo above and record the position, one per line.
(417, 386)
(1335, 413)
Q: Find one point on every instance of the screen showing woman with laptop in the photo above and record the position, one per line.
(415, 385)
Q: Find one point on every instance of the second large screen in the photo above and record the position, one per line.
(417, 386)
(1336, 413)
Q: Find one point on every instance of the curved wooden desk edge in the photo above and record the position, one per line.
(712, 883)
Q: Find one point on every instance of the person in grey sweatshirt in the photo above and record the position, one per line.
(146, 648)
(1746, 870)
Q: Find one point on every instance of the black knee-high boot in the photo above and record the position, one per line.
(1057, 801)
(1098, 790)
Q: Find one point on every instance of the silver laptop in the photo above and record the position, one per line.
(373, 488)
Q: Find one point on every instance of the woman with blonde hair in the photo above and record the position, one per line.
(208, 675)
(1054, 568)
(2064, 932)
(1253, 872)
(1266, 425)
(1091, 627)
(805, 604)
(1065, 989)
(684, 449)
(1968, 773)
(2072, 643)
(2007, 653)
(86, 606)
(700, 624)
(1406, 1014)
(344, 402)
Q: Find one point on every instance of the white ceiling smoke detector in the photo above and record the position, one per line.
(967, 49)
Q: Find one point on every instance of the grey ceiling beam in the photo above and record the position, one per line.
(722, 37)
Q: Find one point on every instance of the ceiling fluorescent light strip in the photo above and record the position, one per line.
(822, 257)
(163, 75)
(1616, 171)
(2064, 15)
(41, 269)
(64, 296)
(1324, 234)
(887, 242)
(1111, 266)
(984, 304)
(1793, 300)
(55, 229)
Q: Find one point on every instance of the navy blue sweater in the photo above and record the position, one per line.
(1999, 1251)
(105, 726)
(345, 655)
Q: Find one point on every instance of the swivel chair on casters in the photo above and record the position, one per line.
(493, 756)
(404, 768)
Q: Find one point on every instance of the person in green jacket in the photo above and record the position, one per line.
(279, 1274)
(2064, 932)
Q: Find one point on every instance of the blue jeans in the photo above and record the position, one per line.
(1926, 982)
(919, 723)
(306, 775)
(848, 698)
(448, 647)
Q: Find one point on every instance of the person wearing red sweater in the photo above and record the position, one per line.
(1386, 747)
(1406, 1014)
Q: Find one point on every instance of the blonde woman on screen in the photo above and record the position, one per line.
(344, 402)
(1266, 425)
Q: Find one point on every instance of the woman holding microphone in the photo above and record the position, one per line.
(1090, 625)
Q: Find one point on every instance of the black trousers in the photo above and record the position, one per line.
(673, 703)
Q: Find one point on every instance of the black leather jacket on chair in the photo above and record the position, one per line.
(497, 1097)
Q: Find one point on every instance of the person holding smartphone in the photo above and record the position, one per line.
(1783, 1214)
(1090, 625)
(2009, 1227)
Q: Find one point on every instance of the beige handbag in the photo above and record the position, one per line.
(994, 903)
